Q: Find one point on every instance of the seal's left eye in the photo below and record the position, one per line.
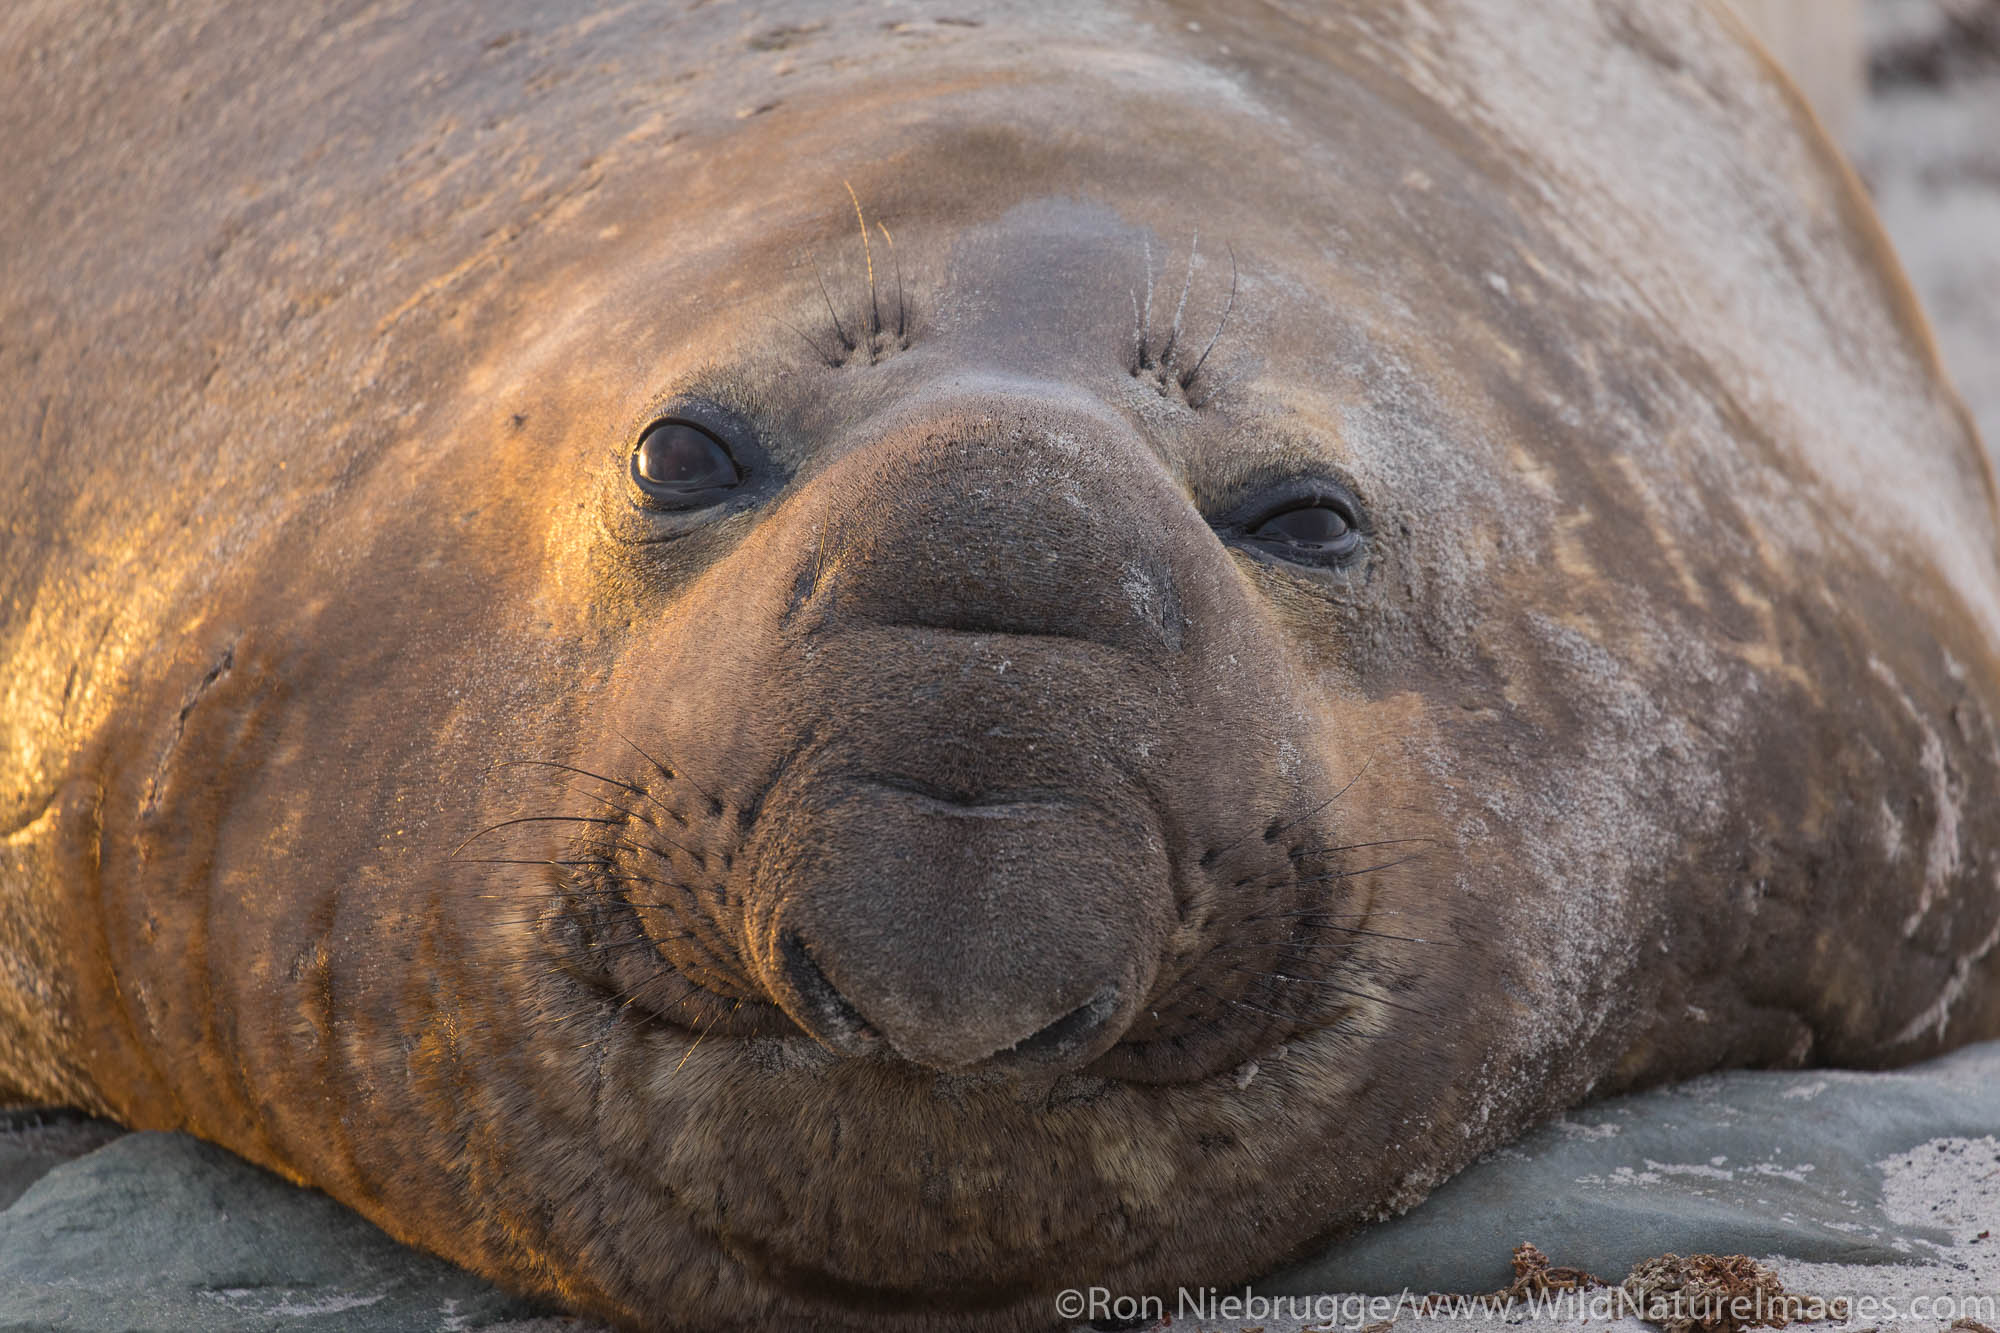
(1316, 533)
(680, 465)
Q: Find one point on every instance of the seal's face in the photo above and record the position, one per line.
(958, 784)
(977, 750)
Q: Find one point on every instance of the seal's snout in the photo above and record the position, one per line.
(1001, 932)
(963, 866)
(970, 708)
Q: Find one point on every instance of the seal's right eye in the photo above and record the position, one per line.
(1314, 522)
(679, 465)
(1316, 532)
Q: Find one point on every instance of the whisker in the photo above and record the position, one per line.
(1146, 319)
(595, 948)
(1245, 1004)
(1320, 911)
(1337, 1030)
(516, 861)
(665, 772)
(1334, 876)
(1214, 393)
(1284, 874)
(1220, 325)
(1360, 773)
(659, 834)
(1365, 870)
(1332, 848)
(588, 890)
(648, 850)
(631, 816)
(586, 773)
(1344, 930)
(689, 993)
(839, 329)
(1187, 284)
(1331, 877)
(640, 942)
(867, 253)
(902, 337)
(738, 1004)
(1210, 858)
(831, 362)
(1379, 935)
(1329, 985)
(529, 819)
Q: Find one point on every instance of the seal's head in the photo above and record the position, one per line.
(992, 747)
(962, 739)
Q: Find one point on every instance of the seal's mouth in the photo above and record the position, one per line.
(1250, 949)
(836, 1021)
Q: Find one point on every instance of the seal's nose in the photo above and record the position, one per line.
(965, 934)
(969, 520)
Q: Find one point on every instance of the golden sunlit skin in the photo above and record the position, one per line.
(844, 666)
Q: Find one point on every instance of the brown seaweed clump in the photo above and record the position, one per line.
(1713, 1293)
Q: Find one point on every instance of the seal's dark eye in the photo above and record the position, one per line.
(1322, 532)
(683, 466)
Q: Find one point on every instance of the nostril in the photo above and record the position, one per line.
(830, 1017)
(1073, 1030)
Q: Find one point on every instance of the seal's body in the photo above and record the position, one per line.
(743, 754)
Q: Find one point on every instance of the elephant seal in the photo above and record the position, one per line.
(1274, 596)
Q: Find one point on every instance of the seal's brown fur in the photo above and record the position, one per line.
(960, 867)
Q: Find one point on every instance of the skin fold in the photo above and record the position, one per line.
(970, 853)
